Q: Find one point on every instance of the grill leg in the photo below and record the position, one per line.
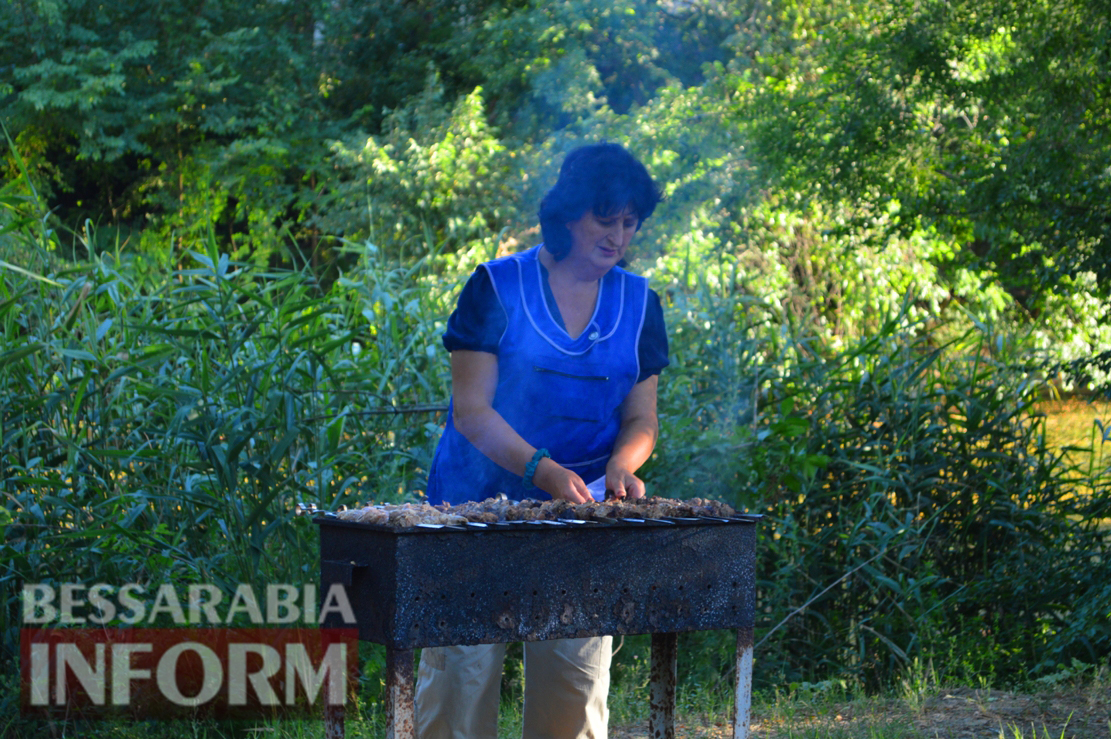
(742, 711)
(400, 712)
(333, 722)
(661, 706)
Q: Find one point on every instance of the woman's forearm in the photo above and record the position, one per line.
(492, 435)
(474, 380)
(635, 442)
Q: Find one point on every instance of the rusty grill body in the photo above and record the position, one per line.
(431, 587)
(536, 580)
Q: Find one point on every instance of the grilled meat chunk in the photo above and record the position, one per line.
(492, 510)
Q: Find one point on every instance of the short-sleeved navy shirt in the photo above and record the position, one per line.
(478, 322)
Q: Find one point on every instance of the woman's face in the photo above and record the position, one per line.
(601, 241)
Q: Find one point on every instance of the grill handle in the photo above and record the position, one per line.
(338, 571)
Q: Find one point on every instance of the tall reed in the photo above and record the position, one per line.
(914, 510)
(160, 429)
(164, 433)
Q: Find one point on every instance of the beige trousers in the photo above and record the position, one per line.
(566, 686)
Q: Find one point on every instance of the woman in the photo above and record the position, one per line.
(555, 355)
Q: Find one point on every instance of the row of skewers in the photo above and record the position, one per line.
(493, 510)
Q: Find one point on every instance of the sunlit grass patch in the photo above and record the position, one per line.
(1077, 427)
(1070, 425)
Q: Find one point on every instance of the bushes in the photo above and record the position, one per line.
(161, 429)
(165, 435)
(913, 506)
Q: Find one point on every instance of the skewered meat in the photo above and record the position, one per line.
(401, 516)
(491, 510)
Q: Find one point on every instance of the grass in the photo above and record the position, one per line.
(1074, 703)
(1079, 427)
(1077, 708)
(1071, 425)
(951, 714)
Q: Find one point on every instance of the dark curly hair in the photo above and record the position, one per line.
(603, 178)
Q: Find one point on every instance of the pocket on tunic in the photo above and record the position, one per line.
(569, 396)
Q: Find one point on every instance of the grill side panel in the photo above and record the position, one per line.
(442, 587)
(364, 561)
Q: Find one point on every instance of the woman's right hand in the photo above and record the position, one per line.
(560, 482)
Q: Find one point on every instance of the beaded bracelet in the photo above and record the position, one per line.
(530, 468)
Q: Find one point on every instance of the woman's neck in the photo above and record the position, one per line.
(574, 290)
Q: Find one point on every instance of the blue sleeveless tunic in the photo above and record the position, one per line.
(558, 393)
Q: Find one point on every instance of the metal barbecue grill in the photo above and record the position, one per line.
(431, 585)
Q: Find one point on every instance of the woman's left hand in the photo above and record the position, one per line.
(639, 427)
(623, 482)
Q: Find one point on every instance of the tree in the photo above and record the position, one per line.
(988, 121)
(124, 106)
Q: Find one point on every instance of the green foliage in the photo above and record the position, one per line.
(986, 122)
(542, 64)
(434, 173)
(230, 235)
(912, 502)
(164, 435)
(191, 117)
(938, 148)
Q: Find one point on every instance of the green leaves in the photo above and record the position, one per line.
(164, 433)
(850, 186)
(967, 114)
(907, 487)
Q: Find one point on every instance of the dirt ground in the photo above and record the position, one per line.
(961, 713)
